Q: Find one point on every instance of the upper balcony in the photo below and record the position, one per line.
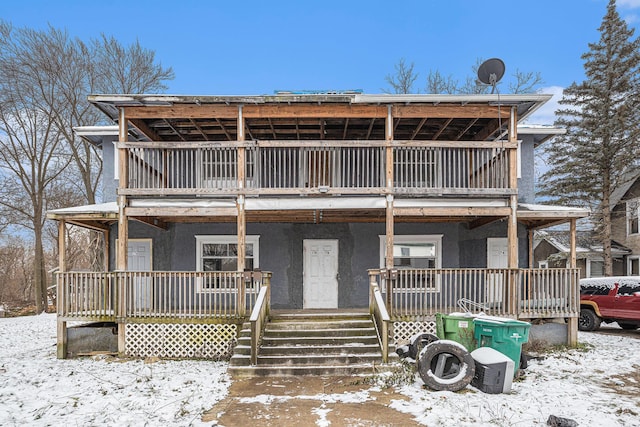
(290, 144)
(319, 167)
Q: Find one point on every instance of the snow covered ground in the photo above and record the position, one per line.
(598, 384)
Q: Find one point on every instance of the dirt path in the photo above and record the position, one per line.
(307, 401)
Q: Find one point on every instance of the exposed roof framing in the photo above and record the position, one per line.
(319, 116)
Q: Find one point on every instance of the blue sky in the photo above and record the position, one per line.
(256, 47)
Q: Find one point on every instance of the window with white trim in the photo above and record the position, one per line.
(220, 253)
(543, 264)
(633, 266)
(595, 268)
(415, 252)
(632, 216)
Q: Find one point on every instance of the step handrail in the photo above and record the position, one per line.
(258, 321)
(381, 320)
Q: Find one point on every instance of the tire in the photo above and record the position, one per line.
(628, 326)
(446, 366)
(589, 320)
(418, 342)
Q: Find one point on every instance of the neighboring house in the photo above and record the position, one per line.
(552, 250)
(625, 208)
(220, 206)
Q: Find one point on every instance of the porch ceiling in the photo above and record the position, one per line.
(317, 117)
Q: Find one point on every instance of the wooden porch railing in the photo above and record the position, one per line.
(415, 294)
(298, 167)
(258, 319)
(148, 295)
(381, 319)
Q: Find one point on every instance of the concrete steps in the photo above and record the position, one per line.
(315, 343)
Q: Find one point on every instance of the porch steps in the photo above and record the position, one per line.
(312, 343)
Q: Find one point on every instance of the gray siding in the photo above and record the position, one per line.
(526, 188)
(281, 251)
(109, 183)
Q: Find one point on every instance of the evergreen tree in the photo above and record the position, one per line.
(601, 117)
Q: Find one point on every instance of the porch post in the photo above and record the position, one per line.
(123, 230)
(60, 300)
(241, 256)
(530, 240)
(389, 185)
(105, 249)
(241, 220)
(389, 232)
(512, 227)
(572, 322)
(572, 243)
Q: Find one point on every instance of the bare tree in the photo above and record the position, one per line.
(31, 158)
(403, 79)
(525, 82)
(45, 77)
(438, 83)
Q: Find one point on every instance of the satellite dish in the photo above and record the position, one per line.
(491, 71)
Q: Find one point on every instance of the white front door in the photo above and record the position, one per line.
(497, 252)
(139, 259)
(320, 284)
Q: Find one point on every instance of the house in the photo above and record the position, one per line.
(625, 208)
(224, 209)
(552, 250)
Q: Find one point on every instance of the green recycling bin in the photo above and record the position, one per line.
(502, 334)
(456, 327)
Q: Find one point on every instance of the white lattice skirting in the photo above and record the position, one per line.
(180, 340)
(403, 331)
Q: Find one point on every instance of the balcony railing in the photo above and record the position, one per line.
(522, 293)
(296, 167)
(158, 295)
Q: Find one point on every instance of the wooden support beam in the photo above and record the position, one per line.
(370, 128)
(61, 326)
(182, 111)
(197, 126)
(572, 243)
(146, 130)
(107, 248)
(176, 131)
(154, 222)
(530, 240)
(123, 230)
(242, 251)
(315, 111)
(224, 129)
(168, 212)
(389, 234)
(418, 128)
(442, 111)
(454, 211)
(442, 128)
(471, 123)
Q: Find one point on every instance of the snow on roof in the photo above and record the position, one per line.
(110, 207)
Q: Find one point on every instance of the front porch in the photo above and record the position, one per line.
(160, 313)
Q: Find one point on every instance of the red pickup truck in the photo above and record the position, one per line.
(609, 299)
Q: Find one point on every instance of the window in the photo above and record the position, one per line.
(633, 266)
(415, 252)
(595, 268)
(220, 253)
(632, 216)
(543, 264)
